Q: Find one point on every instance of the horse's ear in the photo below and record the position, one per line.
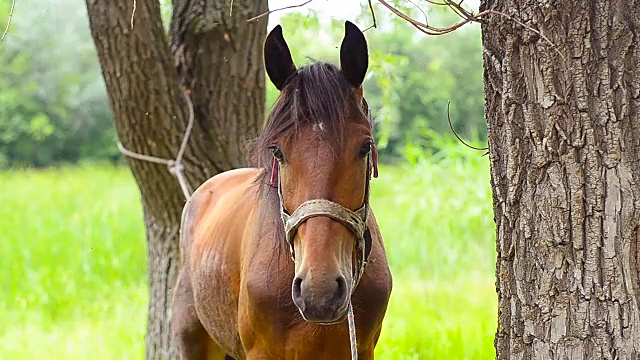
(277, 58)
(354, 55)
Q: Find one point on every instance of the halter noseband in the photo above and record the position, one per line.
(355, 221)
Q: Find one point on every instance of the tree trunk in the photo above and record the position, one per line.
(564, 137)
(218, 58)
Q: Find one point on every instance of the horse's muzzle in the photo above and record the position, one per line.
(324, 303)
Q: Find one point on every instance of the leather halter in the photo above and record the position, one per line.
(355, 221)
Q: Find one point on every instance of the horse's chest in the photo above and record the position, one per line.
(269, 318)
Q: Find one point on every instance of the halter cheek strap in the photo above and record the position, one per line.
(374, 158)
(274, 170)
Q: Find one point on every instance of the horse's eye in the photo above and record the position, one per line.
(276, 152)
(364, 150)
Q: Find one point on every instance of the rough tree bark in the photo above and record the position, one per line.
(215, 54)
(564, 138)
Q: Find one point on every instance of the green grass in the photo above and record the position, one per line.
(73, 281)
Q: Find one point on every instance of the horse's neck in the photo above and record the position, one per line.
(269, 235)
(268, 259)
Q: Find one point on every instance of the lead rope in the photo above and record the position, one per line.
(352, 332)
(174, 165)
(351, 319)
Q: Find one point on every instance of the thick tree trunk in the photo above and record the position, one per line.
(214, 46)
(564, 138)
(219, 59)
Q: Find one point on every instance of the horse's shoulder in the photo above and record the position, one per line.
(208, 194)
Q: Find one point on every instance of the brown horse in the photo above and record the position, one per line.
(238, 291)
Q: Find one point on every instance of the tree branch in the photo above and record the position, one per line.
(282, 8)
(456, 134)
(6, 30)
(463, 13)
(373, 16)
(426, 18)
(431, 30)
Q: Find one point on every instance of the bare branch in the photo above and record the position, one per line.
(6, 30)
(373, 15)
(402, 15)
(463, 13)
(457, 8)
(456, 134)
(426, 18)
(279, 9)
(426, 28)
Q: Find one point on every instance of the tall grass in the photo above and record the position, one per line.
(73, 278)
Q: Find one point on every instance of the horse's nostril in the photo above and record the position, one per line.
(296, 292)
(341, 290)
(297, 284)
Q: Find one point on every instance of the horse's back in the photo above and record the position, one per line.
(214, 222)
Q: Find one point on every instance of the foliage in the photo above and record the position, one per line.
(411, 76)
(75, 280)
(53, 105)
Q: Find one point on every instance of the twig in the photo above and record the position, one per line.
(402, 15)
(6, 29)
(231, 9)
(133, 13)
(456, 134)
(279, 9)
(373, 15)
(426, 18)
(426, 28)
(457, 8)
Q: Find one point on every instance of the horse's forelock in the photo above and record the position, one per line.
(317, 95)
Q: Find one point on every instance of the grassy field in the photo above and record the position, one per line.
(72, 268)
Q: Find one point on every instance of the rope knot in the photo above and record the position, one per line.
(175, 167)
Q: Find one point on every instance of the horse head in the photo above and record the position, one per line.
(319, 137)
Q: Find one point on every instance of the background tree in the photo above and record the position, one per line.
(53, 107)
(214, 54)
(564, 138)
